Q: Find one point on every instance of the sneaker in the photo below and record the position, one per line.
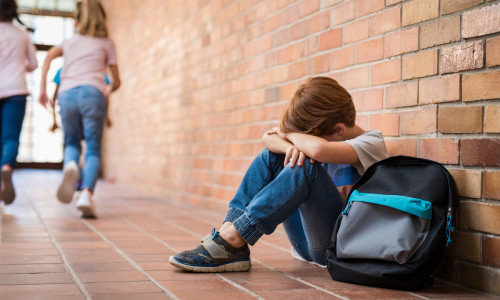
(85, 204)
(213, 255)
(8, 188)
(297, 256)
(68, 185)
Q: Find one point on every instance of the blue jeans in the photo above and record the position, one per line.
(12, 110)
(83, 110)
(304, 199)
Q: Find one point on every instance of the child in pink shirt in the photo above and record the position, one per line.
(17, 56)
(82, 99)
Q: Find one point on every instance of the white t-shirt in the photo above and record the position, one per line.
(85, 61)
(370, 148)
(17, 56)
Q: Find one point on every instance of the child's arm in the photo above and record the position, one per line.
(53, 53)
(322, 150)
(275, 143)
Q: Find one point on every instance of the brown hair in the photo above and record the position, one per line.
(91, 18)
(317, 106)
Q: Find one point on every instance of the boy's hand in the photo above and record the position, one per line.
(276, 130)
(295, 156)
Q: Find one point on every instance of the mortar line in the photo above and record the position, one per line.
(130, 261)
(238, 286)
(267, 266)
(67, 266)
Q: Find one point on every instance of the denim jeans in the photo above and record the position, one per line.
(304, 199)
(12, 110)
(83, 110)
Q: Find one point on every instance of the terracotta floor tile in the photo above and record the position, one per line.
(111, 276)
(42, 278)
(121, 288)
(296, 295)
(143, 296)
(43, 291)
(32, 268)
(124, 254)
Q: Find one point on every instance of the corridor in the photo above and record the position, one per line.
(48, 252)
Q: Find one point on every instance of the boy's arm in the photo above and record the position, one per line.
(319, 149)
(275, 143)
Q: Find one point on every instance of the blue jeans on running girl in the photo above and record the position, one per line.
(83, 111)
(12, 110)
(304, 199)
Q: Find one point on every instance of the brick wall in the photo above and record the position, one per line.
(202, 80)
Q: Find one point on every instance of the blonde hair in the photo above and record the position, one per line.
(91, 19)
(317, 106)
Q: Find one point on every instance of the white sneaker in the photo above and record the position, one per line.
(297, 256)
(68, 184)
(85, 204)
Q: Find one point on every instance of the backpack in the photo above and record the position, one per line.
(395, 225)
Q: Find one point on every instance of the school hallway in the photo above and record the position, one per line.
(48, 252)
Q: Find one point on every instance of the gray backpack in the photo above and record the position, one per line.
(395, 225)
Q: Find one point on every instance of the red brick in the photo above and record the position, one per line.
(356, 78)
(417, 11)
(401, 42)
(493, 52)
(406, 147)
(388, 123)
(385, 21)
(356, 31)
(386, 72)
(439, 32)
(369, 51)
(330, 39)
(319, 22)
(343, 13)
(297, 70)
(318, 64)
(462, 57)
(369, 100)
(401, 95)
(481, 86)
(439, 89)
(299, 30)
(422, 121)
(461, 119)
(479, 277)
(468, 182)
(491, 188)
(490, 22)
(451, 6)
(479, 216)
(365, 7)
(492, 118)
(420, 65)
(465, 245)
(443, 150)
(491, 251)
(480, 152)
(343, 58)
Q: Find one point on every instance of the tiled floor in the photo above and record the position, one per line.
(48, 252)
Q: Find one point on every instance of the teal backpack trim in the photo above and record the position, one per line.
(414, 206)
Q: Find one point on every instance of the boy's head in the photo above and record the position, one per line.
(317, 106)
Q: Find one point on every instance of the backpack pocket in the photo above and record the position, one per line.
(384, 227)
